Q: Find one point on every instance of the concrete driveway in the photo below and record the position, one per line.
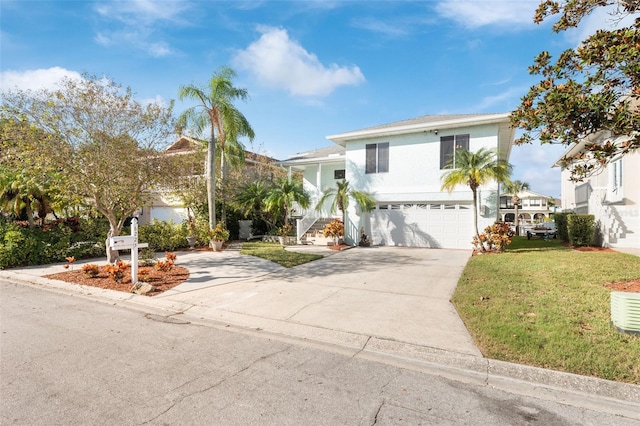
(388, 293)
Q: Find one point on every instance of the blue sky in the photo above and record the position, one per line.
(312, 68)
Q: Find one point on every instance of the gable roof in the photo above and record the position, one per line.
(182, 145)
(186, 144)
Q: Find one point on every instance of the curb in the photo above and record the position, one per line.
(592, 393)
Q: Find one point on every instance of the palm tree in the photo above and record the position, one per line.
(216, 113)
(474, 170)
(340, 196)
(251, 200)
(283, 195)
(20, 194)
(514, 188)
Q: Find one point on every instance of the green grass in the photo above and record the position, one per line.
(276, 253)
(542, 304)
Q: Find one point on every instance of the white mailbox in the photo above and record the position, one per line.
(123, 242)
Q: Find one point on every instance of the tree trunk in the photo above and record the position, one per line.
(515, 200)
(112, 255)
(29, 211)
(475, 217)
(211, 180)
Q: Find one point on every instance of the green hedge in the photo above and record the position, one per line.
(23, 246)
(163, 236)
(561, 225)
(581, 229)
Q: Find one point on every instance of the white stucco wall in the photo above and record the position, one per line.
(414, 172)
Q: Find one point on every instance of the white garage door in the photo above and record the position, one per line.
(175, 214)
(442, 225)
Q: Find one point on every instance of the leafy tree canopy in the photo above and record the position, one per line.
(105, 143)
(590, 94)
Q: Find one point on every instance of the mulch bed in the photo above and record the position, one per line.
(161, 281)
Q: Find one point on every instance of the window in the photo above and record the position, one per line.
(615, 190)
(338, 174)
(377, 158)
(448, 147)
(506, 202)
(534, 202)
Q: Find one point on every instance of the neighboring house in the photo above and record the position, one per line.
(533, 207)
(166, 207)
(401, 165)
(612, 196)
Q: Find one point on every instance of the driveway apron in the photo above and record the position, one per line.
(391, 293)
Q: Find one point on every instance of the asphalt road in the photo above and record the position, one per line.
(68, 360)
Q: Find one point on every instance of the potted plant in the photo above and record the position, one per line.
(217, 237)
(283, 233)
(192, 230)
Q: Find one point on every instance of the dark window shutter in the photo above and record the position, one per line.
(371, 158)
(383, 157)
(446, 151)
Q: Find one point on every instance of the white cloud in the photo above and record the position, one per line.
(479, 13)
(140, 19)
(379, 26)
(143, 12)
(506, 99)
(35, 79)
(282, 63)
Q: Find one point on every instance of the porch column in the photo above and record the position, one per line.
(318, 182)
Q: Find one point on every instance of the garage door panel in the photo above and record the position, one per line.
(423, 225)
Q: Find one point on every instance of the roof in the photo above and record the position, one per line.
(433, 123)
(524, 194)
(425, 122)
(328, 151)
(186, 144)
(182, 145)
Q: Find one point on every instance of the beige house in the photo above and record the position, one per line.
(533, 207)
(167, 207)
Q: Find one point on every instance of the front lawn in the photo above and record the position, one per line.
(276, 253)
(545, 305)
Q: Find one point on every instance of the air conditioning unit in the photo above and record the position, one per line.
(625, 311)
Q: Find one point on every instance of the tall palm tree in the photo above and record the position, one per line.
(474, 170)
(215, 112)
(514, 188)
(340, 196)
(283, 195)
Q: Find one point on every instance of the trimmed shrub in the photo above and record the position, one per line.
(561, 225)
(581, 229)
(163, 236)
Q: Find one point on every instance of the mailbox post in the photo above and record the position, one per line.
(129, 242)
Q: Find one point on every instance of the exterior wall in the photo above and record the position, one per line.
(414, 173)
(617, 213)
(327, 180)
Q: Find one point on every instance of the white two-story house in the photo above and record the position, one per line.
(612, 195)
(401, 165)
(533, 207)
